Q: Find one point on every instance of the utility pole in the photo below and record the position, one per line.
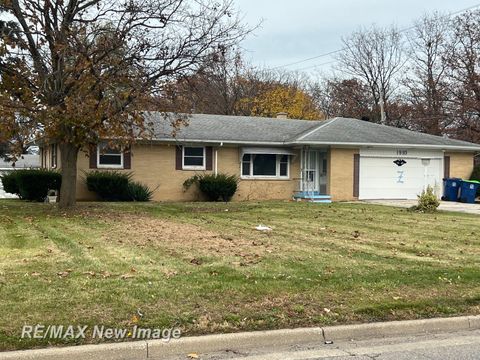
(382, 106)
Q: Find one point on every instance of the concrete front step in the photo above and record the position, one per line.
(312, 197)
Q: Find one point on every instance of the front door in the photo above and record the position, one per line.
(314, 176)
(311, 171)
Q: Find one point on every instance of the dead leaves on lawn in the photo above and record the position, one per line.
(90, 274)
(178, 239)
(170, 273)
(106, 275)
(126, 276)
(195, 261)
(64, 273)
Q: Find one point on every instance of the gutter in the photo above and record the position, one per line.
(212, 141)
(254, 340)
(322, 143)
(389, 145)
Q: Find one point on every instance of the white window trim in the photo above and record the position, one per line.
(107, 166)
(266, 177)
(193, 167)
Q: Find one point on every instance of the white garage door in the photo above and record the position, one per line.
(399, 174)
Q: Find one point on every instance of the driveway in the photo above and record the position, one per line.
(444, 205)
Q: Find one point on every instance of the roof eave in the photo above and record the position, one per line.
(218, 141)
(323, 143)
(361, 144)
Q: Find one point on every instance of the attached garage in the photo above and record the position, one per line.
(399, 173)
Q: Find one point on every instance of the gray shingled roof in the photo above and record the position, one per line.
(226, 128)
(344, 130)
(254, 130)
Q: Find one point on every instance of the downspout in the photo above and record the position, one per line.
(216, 159)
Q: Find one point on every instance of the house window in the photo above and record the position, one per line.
(53, 156)
(108, 157)
(193, 158)
(265, 165)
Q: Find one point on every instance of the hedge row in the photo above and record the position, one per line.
(116, 186)
(31, 185)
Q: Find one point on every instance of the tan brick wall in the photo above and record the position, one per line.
(340, 174)
(154, 165)
(461, 164)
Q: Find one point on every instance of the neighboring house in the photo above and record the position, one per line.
(26, 161)
(347, 159)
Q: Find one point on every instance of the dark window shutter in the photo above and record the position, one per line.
(178, 158)
(356, 175)
(127, 159)
(93, 156)
(446, 167)
(208, 158)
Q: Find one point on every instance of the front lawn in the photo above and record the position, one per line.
(203, 266)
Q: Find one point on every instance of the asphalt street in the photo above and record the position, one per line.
(446, 346)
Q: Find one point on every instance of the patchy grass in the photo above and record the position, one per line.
(203, 267)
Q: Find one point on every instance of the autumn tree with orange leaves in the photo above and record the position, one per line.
(296, 102)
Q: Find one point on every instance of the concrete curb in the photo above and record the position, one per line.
(257, 339)
(127, 350)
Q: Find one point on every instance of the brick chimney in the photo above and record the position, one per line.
(282, 115)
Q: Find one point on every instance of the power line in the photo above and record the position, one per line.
(308, 59)
(342, 49)
(314, 66)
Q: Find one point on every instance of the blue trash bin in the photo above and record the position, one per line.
(451, 187)
(468, 191)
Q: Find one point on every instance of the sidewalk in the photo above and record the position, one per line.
(159, 349)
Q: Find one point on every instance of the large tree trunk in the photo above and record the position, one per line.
(68, 191)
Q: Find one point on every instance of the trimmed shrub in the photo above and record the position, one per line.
(117, 186)
(10, 182)
(34, 184)
(139, 192)
(215, 187)
(427, 201)
(109, 185)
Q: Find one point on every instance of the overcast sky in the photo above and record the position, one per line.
(294, 30)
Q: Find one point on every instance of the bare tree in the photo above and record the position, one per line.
(344, 98)
(214, 89)
(463, 60)
(84, 70)
(426, 80)
(374, 56)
